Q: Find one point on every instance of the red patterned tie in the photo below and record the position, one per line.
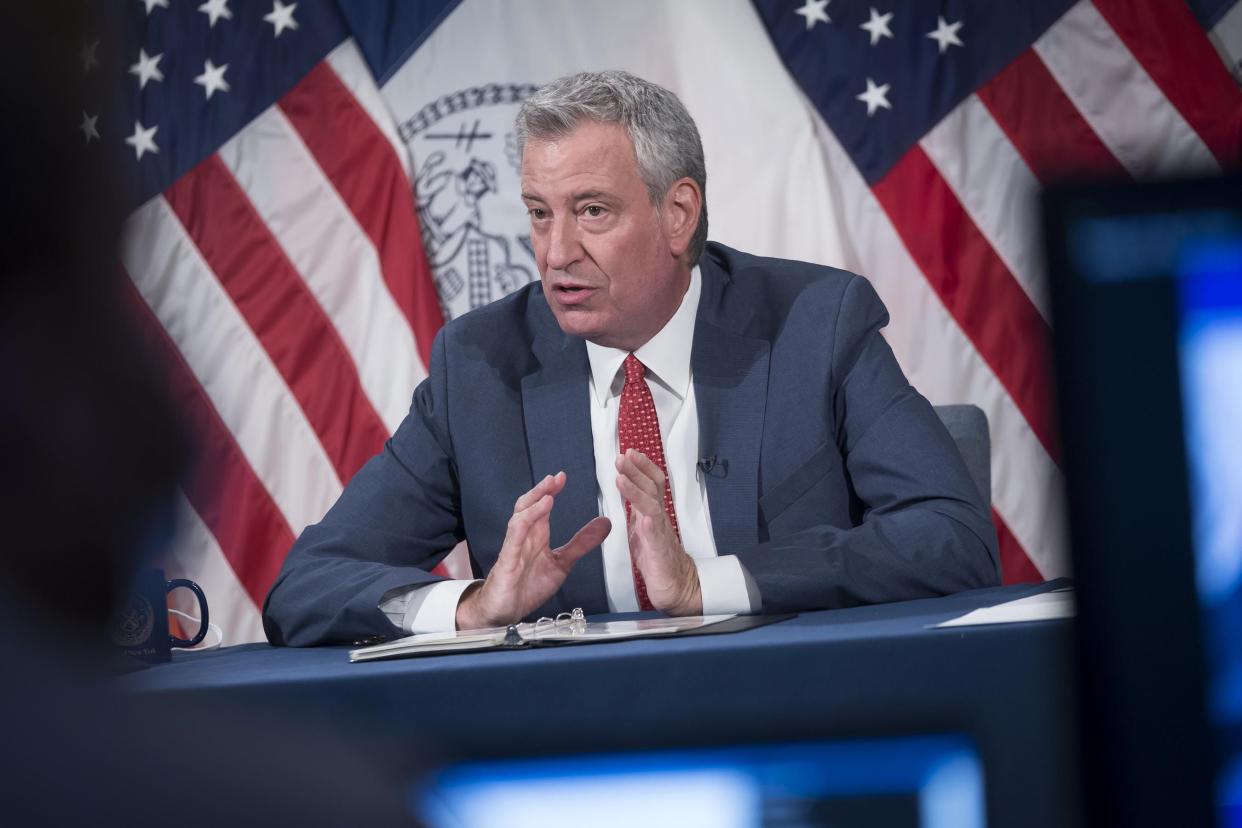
(638, 428)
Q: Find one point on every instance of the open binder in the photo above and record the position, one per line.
(565, 629)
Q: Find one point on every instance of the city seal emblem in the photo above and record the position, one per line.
(466, 186)
(132, 623)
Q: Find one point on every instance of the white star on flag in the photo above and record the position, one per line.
(151, 4)
(946, 34)
(89, 57)
(143, 140)
(147, 68)
(212, 79)
(215, 9)
(281, 16)
(877, 26)
(813, 11)
(876, 97)
(88, 126)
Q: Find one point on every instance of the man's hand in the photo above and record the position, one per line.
(670, 574)
(527, 572)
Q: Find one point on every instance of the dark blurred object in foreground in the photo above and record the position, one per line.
(91, 453)
(1147, 289)
(86, 431)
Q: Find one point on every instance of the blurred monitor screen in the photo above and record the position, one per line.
(1210, 357)
(1147, 264)
(927, 781)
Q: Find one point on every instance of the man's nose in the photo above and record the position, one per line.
(564, 247)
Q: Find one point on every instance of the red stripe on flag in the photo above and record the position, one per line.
(1169, 43)
(221, 485)
(280, 309)
(974, 284)
(1016, 567)
(1043, 124)
(363, 169)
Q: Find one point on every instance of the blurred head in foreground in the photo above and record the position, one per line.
(91, 452)
(87, 433)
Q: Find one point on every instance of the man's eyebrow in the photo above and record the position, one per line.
(585, 195)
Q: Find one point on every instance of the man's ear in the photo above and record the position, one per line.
(682, 207)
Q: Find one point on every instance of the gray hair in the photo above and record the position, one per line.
(666, 141)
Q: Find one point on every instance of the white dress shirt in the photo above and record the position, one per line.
(725, 584)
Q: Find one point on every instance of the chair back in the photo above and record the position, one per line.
(968, 426)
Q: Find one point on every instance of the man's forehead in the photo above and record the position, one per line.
(588, 133)
(591, 156)
(589, 145)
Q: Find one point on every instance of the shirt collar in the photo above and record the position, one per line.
(666, 355)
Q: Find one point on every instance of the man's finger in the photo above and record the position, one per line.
(647, 466)
(551, 484)
(584, 540)
(510, 555)
(529, 497)
(640, 498)
(536, 511)
(627, 465)
(525, 535)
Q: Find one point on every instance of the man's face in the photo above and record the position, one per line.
(601, 246)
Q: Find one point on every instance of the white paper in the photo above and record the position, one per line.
(1043, 607)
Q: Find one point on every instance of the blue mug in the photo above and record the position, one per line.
(139, 626)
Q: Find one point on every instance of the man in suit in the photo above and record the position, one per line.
(660, 423)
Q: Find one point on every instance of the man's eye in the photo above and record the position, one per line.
(537, 213)
(594, 211)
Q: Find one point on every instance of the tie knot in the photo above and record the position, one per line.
(634, 370)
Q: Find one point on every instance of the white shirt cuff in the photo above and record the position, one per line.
(727, 587)
(424, 609)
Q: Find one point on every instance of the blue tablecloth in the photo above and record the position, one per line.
(863, 671)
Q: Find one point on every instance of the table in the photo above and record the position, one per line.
(857, 672)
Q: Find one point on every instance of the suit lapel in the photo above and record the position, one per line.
(730, 386)
(557, 417)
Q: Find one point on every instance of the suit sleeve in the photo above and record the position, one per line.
(923, 529)
(399, 516)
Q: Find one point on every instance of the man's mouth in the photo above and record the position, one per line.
(570, 294)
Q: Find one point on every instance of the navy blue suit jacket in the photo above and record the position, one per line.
(835, 482)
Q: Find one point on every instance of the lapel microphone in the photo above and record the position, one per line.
(713, 466)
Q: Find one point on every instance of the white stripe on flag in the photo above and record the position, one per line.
(766, 171)
(1226, 36)
(995, 186)
(230, 364)
(1118, 98)
(353, 71)
(197, 556)
(939, 360)
(332, 253)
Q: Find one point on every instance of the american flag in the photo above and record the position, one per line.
(939, 122)
(276, 263)
(278, 266)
